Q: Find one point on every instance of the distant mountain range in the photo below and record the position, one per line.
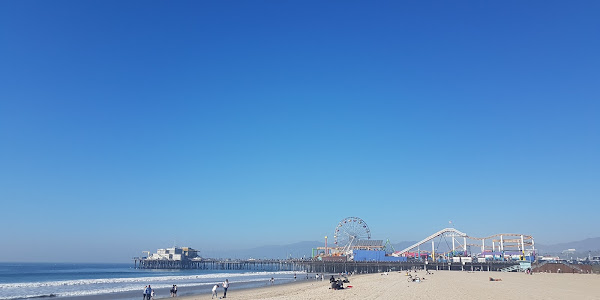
(583, 246)
(304, 249)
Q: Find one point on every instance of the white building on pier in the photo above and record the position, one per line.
(175, 254)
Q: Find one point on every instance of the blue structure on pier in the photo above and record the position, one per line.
(374, 255)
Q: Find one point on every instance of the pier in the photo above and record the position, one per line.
(318, 266)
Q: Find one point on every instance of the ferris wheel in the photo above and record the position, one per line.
(350, 230)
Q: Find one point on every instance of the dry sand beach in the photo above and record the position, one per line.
(440, 285)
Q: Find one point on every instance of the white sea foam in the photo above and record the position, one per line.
(87, 287)
(131, 280)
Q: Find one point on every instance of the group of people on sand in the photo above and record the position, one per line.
(338, 284)
(225, 285)
(148, 293)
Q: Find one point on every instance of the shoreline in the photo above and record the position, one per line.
(195, 290)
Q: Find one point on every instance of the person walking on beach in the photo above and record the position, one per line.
(152, 294)
(144, 292)
(225, 286)
(148, 292)
(214, 291)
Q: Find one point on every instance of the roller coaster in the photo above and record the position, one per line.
(450, 243)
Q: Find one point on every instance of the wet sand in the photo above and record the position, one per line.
(440, 285)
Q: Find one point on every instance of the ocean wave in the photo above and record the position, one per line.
(142, 280)
(32, 297)
(103, 291)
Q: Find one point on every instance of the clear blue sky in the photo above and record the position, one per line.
(132, 125)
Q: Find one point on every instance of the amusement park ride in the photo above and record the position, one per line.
(352, 234)
(454, 243)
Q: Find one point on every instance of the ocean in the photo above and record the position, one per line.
(81, 281)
